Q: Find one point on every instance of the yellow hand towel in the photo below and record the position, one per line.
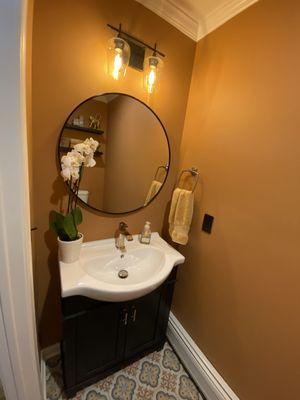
(181, 213)
(154, 188)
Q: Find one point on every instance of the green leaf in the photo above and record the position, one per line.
(56, 221)
(56, 224)
(77, 214)
(70, 227)
(57, 217)
(66, 226)
(59, 230)
(54, 227)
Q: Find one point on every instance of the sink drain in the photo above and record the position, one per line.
(123, 274)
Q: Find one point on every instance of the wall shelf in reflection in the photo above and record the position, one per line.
(64, 149)
(84, 129)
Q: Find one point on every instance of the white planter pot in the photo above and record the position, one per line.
(69, 251)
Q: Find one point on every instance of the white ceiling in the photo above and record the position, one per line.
(196, 18)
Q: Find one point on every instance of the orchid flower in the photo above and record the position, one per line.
(82, 154)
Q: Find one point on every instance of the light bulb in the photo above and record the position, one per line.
(152, 68)
(151, 79)
(118, 54)
(118, 62)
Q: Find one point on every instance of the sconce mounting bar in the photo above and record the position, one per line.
(154, 49)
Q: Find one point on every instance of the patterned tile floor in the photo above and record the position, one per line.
(158, 376)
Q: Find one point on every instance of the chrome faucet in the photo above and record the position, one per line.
(120, 235)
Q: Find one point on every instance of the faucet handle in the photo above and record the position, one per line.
(122, 226)
(129, 237)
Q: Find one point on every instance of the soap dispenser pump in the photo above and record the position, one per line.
(146, 233)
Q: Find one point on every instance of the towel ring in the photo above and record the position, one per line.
(164, 167)
(194, 172)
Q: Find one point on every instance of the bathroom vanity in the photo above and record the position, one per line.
(102, 337)
(109, 322)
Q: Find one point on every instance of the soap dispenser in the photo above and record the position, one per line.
(145, 236)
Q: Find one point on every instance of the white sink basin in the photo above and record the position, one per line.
(96, 274)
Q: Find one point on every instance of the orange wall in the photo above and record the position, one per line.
(69, 53)
(238, 293)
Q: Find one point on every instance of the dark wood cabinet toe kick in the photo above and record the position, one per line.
(100, 337)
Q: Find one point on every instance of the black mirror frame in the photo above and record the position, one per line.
(88, 206)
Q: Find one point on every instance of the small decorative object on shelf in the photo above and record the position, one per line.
(95, 122)
(65, 226)
(78, 121)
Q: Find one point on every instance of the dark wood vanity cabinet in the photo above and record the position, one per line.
(102, 337)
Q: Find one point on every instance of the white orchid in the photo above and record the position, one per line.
(92, 143)
(83, 149)
(87, 149)
(72, 164)
(82, 154)
(89, 162)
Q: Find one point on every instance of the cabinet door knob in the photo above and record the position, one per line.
(133, 314)
(125, 317)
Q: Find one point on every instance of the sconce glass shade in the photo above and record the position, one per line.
(152, 72)
(118, 53)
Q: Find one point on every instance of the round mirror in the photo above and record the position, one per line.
(133, 156)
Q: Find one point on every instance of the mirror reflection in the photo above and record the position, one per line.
(132, 158)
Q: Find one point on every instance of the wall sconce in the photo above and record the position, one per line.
(125, 50)
(118, 57)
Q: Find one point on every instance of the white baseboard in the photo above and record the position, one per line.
(47, 353)
(200, 369)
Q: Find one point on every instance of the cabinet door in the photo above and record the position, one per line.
(99, 339)
(142, 324)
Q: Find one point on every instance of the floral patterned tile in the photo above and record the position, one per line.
(158, 376)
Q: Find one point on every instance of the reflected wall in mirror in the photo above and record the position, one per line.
(133, 156)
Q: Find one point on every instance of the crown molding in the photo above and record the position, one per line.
(192, 26)
(175, 15)
(222, 14)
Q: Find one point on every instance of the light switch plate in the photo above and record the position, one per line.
(207, 223)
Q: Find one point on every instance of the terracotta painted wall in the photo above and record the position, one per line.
(69, 53)
(238, 292)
